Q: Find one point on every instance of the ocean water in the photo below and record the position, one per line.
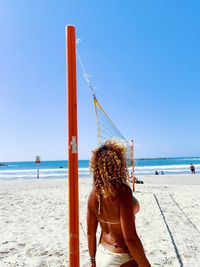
(59, 169)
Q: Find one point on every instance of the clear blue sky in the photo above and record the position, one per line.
(143, 56)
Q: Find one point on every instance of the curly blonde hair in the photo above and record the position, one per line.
(108, 168)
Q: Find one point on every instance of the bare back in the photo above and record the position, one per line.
(107, 211)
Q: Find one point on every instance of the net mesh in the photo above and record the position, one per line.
(107, 130)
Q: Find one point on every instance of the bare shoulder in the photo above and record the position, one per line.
(92, 198)
(125, 193)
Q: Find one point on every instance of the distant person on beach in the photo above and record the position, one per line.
(192, 168)
(110, 204)
(136, 180)
(156, 173)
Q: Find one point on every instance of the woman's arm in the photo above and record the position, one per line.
(136, 205)
(128, 228)
(92, 223)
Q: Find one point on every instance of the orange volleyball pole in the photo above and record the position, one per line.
(132, 165)
(73, 202)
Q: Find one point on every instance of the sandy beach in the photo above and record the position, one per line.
(34, 221)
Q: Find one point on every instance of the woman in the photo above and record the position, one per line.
(110, 204)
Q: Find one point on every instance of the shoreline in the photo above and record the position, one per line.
(58, 168)
(175, 179)
(34, 221)
(147, 178)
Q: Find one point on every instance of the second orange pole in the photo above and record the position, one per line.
(132, 165)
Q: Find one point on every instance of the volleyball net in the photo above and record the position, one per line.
(106, 130)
